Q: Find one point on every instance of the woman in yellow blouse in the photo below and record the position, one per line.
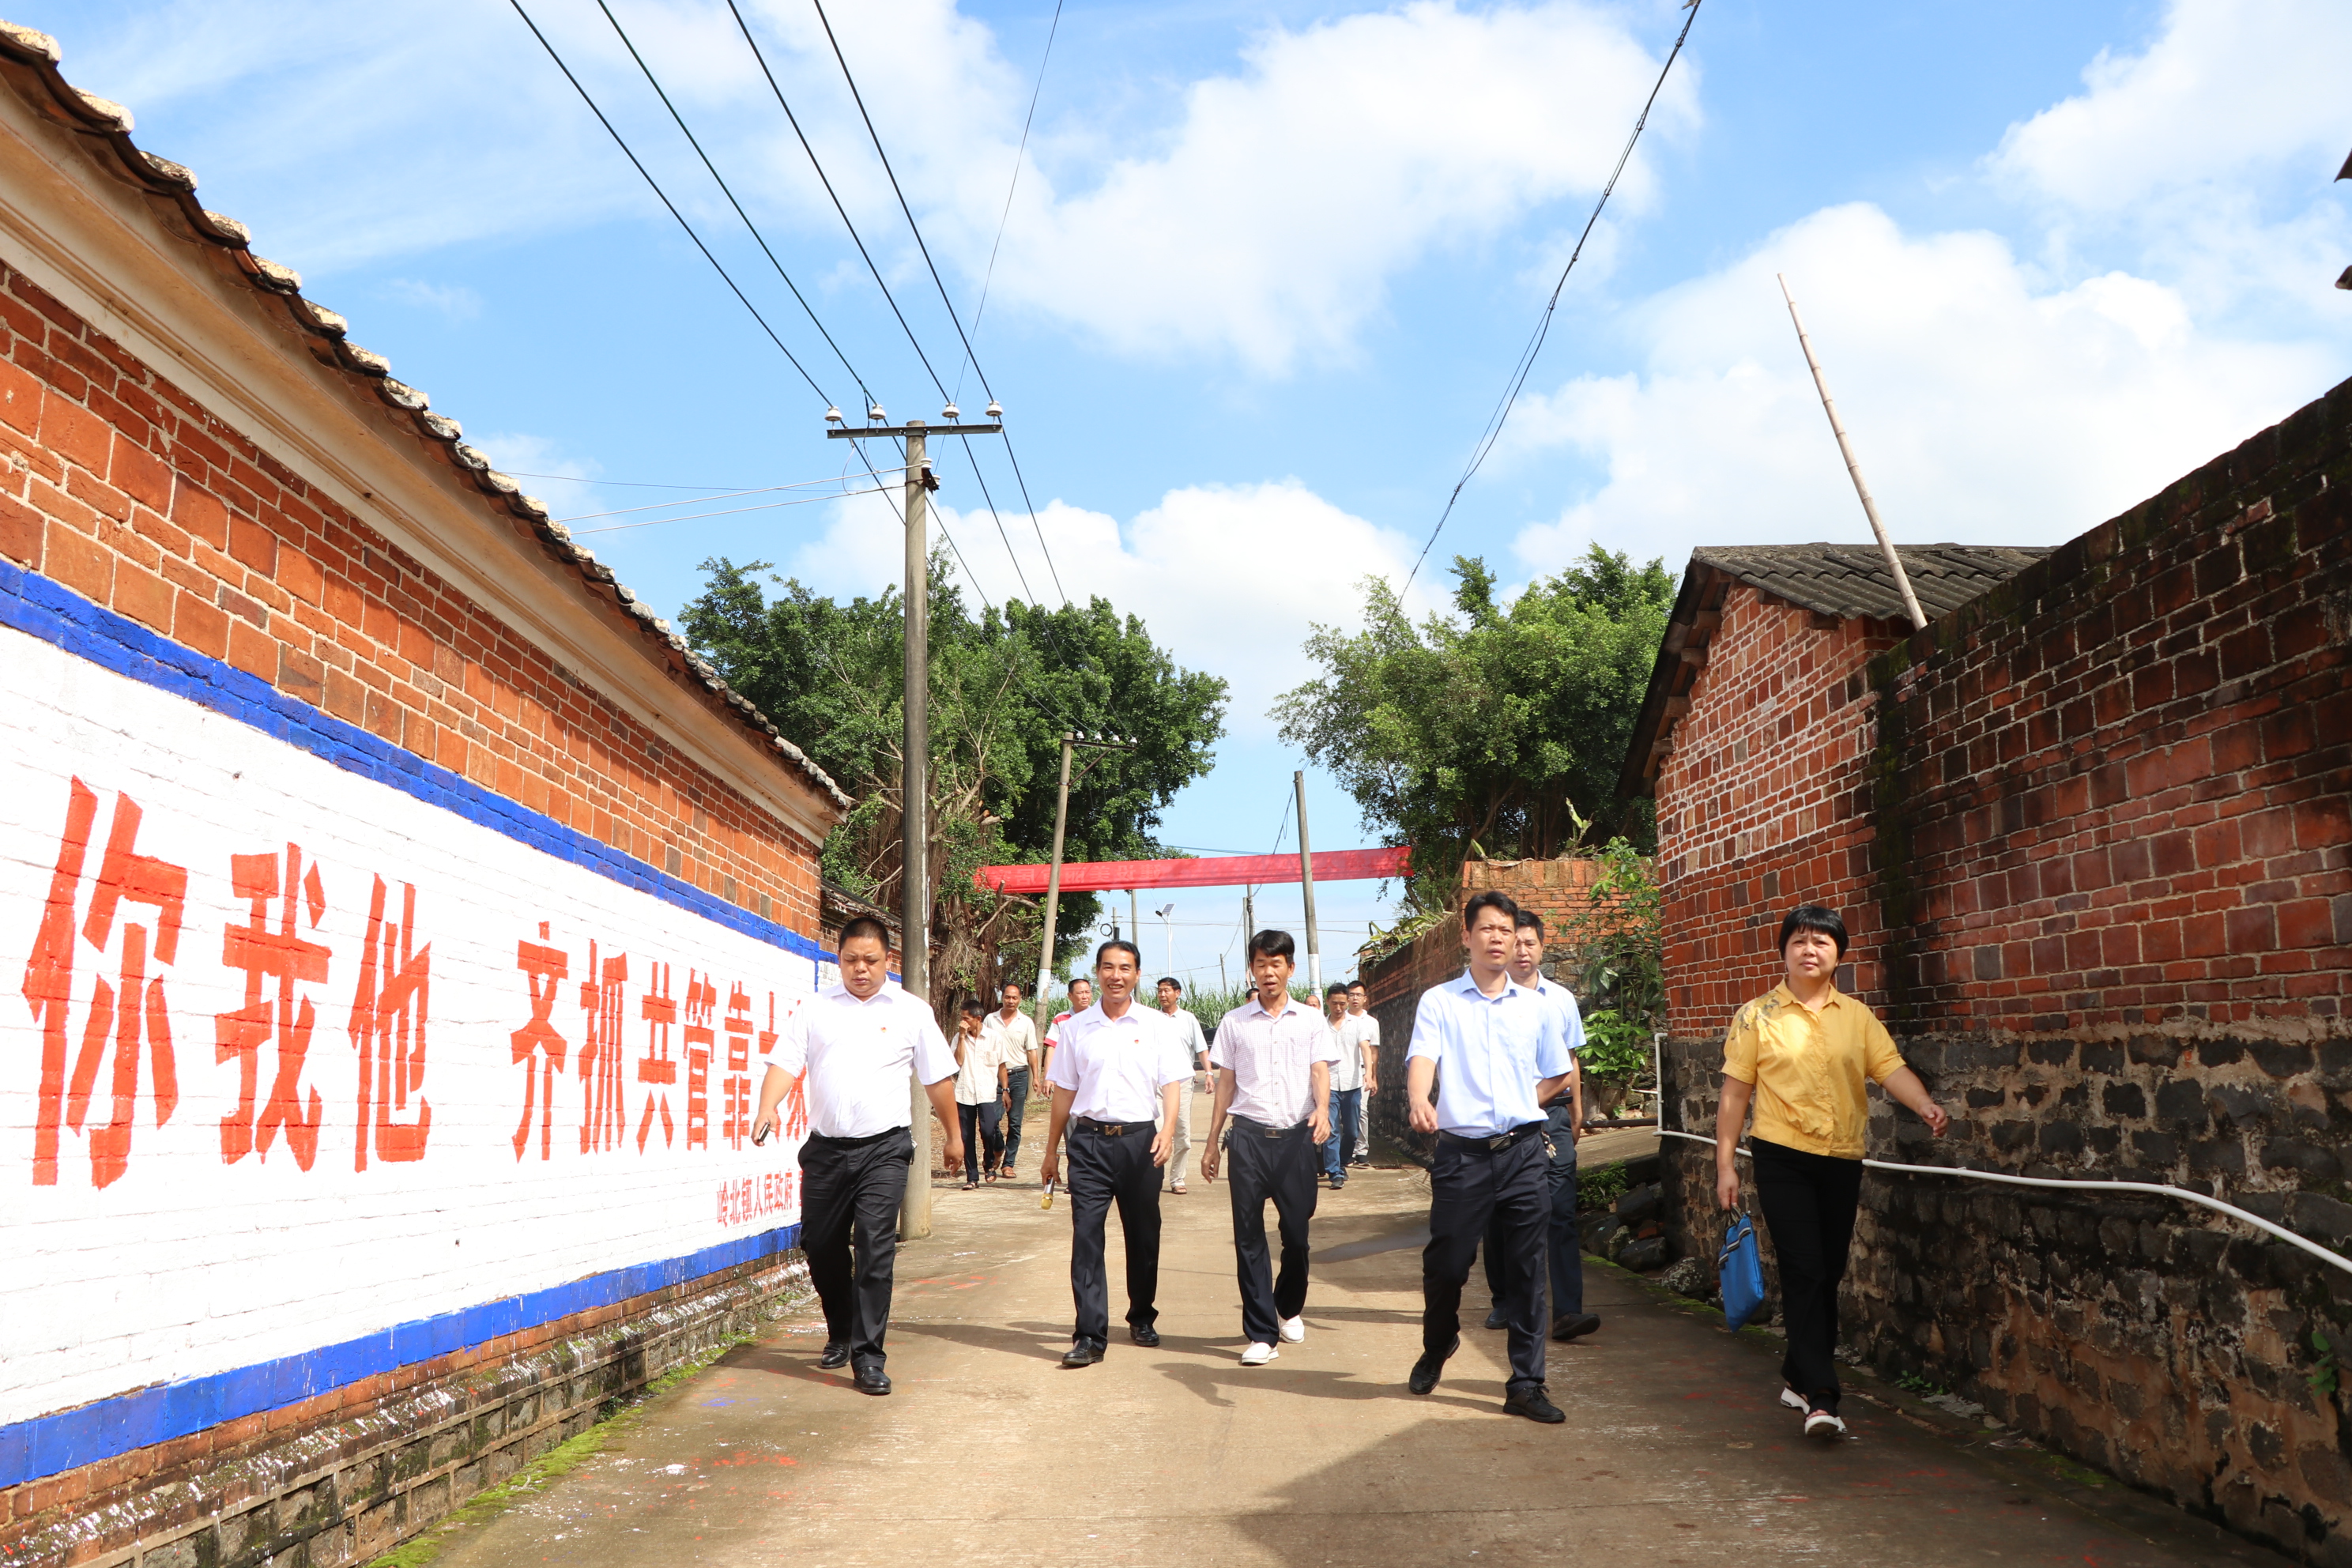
(1800, 1055)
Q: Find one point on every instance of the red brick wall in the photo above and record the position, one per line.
(1757, 803)
(117, 484)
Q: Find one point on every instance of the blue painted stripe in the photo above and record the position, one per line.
(48, 1445)
(34, 605)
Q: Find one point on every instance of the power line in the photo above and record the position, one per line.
(1006, 217)
(762, 491)
(731, 511)
(859, 98)
(707, 255)
(625, 484)
(1493, 430)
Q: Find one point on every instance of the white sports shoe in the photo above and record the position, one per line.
(1794, 1400)
(1258, 1355)
(1821, 1424)
(1293, 1329)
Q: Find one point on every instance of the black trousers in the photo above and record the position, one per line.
(1104, 1170)
(1470, 1188)
(1808, 1203)
(1019, 1080)
(1563, 1249)
(850, 1193)
(980, 1129)
(1260, 1165)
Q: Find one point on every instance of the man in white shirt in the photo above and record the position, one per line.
(1272, 1056)
(1116, 1074)
(981, 1062)
(1362, 1021)
(1347, 1087)
(1082, 997)
(852, 1049)
(1016, 1034)
(1196, 1048)
(1563, 1247)
(1495, 1053)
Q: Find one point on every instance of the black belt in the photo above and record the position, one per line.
(857, 1143)
(1491, 1142)
(1113, 1129)
(1263, 1130)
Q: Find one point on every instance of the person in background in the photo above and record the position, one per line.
(1346, 1090)
(1196, 1050)
(980, 1092)
(1082, 997)
(1272, 1056)
(1800, 1056)
(1116, 1079)
(1016, 1034)
(1493, 1051)
(1358, 1006)
(852, 1048)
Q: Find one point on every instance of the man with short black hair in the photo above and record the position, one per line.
(1347, 1089)
(851, 1049)
(1494, 1052)
(1171, 1002)
(1016, 1034)
(1368, 1031)
(980, 1092)
(1115, 1075)
(1272, 1056)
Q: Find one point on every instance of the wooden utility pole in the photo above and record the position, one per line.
(915, 775)
(1853, 464)
(1306, 887)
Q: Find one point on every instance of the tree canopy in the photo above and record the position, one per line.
(1495, 729)
(1004, 685)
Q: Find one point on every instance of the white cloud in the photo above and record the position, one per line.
(454, 300)
(1228, 578)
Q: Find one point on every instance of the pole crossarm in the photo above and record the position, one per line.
(900, 432)
(1210, 872)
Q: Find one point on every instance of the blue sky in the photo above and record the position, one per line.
(1266, 268)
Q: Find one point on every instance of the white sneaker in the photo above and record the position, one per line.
(1293, 1329)
(1794, 1400)
(1821, 1424)
(1258, 1355)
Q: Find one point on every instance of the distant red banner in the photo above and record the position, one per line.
(1215, 871)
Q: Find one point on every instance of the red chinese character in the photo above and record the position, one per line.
(702, 998)
(604, 1113)
(128, 1013)
(387, 1029)
(542, 967)
(279, 955)
(735, 1090)
(656, 1068)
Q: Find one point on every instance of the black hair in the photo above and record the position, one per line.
(1527, 919)
(1358, 985)
(1334, 989)
(863, 925)
(974, 1007)
(1271, 943)
(1492, 898)
(1086, 980)
(1815, 917)
(1121, 942)
(1010, 986)
(1169, 980)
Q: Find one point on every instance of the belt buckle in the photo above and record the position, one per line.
(1273, 1131)
(1111, 1129)
(1499, 1141)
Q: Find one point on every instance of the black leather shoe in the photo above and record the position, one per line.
(1573, 1325)
(1144, 1334)
(1533, 1401)
(837, 1354)
(1426, 1370)
(1498, 1319)
(872, 1379)
(1083, 1354)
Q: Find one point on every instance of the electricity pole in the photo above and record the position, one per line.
(914, 772)
(1306, 887)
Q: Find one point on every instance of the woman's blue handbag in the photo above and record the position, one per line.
(1740, 1270)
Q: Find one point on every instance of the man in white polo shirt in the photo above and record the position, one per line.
(1115, 1074)
(1272, 1056)
(1495, 1052)
(855, 1045)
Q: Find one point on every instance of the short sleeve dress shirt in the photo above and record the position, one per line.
(1187, 1028)
(1271, 1055)
(1020, 1036)
(1116, 1068)
(1572, 1017)
(1808, 1068)
(856, 1055)
(1490, 1053)
(976, 1080)
(1354, 1036)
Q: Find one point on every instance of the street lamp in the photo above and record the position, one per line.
(1169, 932)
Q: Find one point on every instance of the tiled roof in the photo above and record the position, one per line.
(1850, 580)
(370, 375)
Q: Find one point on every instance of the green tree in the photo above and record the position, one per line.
(1004, 685)
(1495, 730)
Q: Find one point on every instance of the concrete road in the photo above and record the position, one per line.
(990, 1452)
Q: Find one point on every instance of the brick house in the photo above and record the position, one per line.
(325, 742)
(2092, 832)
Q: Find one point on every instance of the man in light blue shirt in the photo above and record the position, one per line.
(1495, 1052)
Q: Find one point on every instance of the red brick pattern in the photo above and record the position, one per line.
(117, 484)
